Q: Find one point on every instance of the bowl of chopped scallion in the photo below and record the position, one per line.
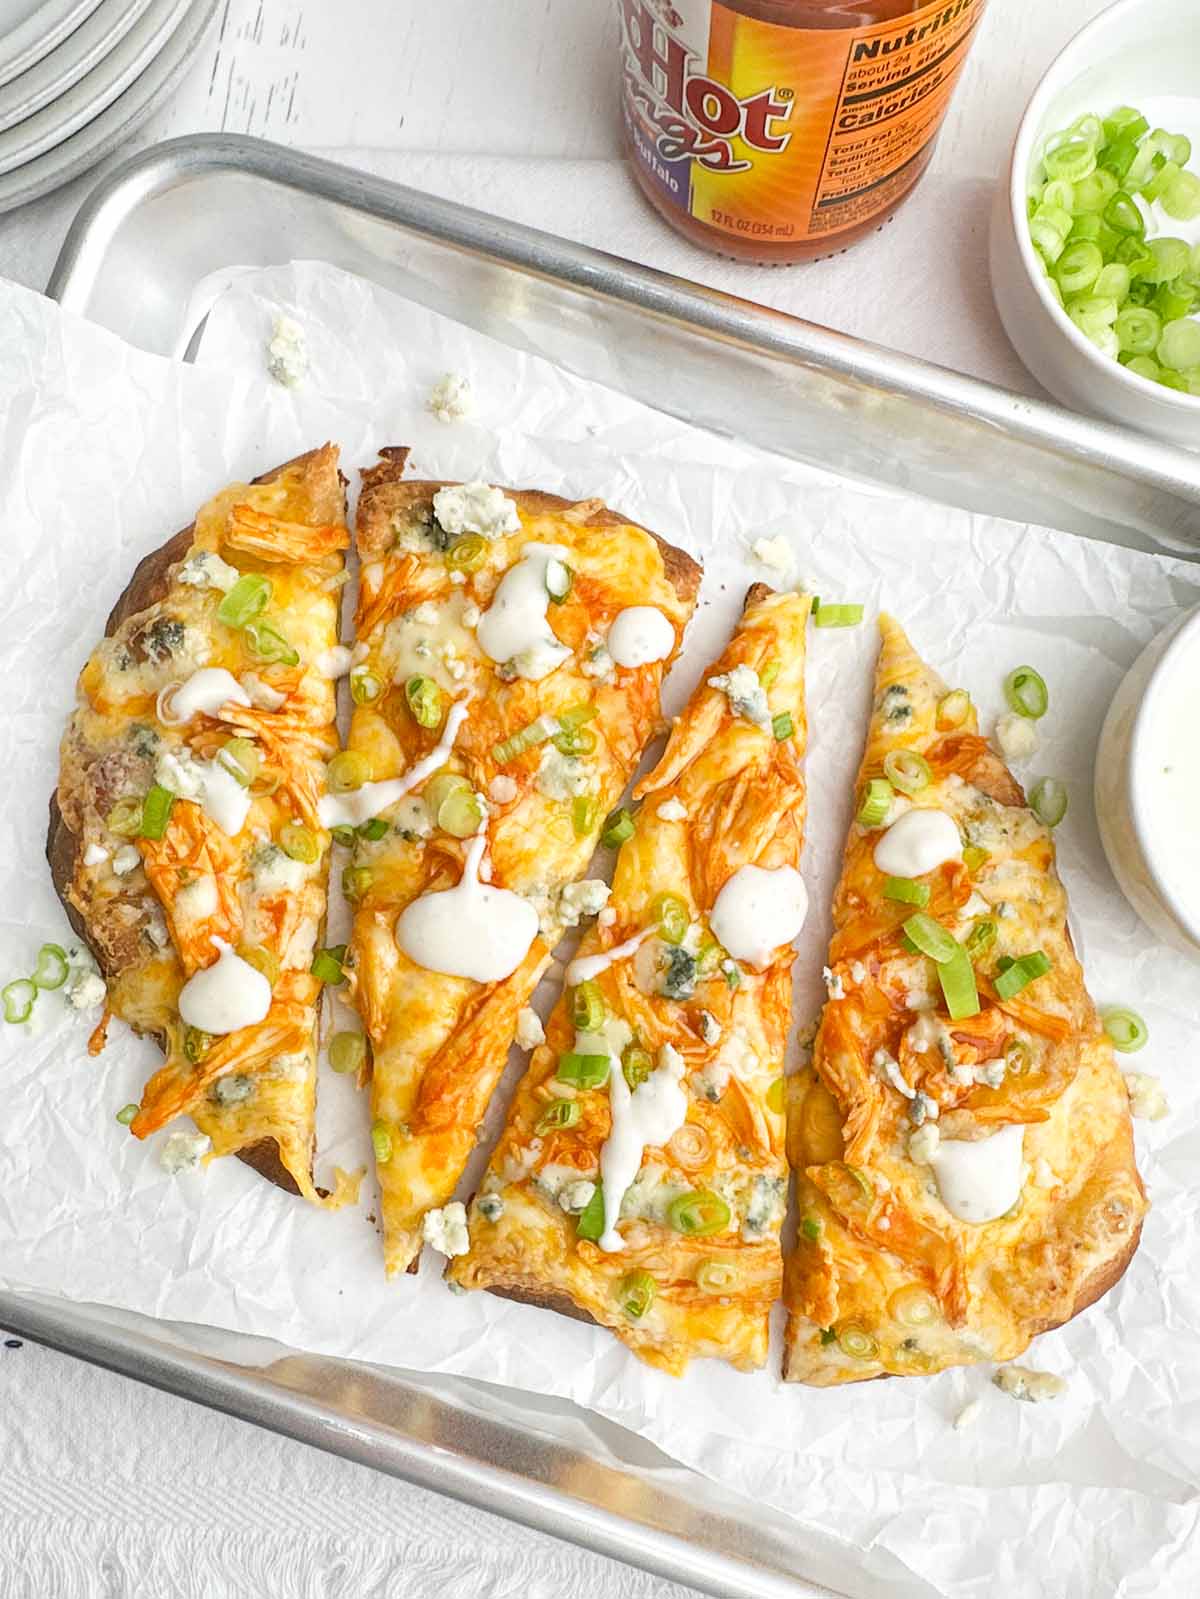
(1095, 240)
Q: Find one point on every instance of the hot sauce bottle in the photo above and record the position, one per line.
(781, 130)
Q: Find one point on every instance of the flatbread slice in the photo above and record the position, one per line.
(962, 1141)
(511, 647)
(641, 1178)
(185, 841)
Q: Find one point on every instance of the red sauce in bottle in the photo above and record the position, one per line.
(780, 130)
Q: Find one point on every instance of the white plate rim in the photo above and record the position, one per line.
(93, 94)
(48, 26)
(114, 125)
(76, 55)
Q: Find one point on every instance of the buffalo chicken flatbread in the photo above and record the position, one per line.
(962, 1142)
(186, 842)
(511, 647)
(641, 1179)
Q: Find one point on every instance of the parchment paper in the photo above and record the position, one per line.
(105, 451)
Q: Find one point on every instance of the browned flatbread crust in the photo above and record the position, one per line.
(147, 587)
(682, 572)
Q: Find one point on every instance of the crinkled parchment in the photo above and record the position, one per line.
(106, 451)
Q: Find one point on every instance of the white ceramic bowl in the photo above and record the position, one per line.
(1144, 53)
(1124, 771)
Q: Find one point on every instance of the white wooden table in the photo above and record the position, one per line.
(108, 1488)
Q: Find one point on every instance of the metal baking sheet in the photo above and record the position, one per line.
(137, 251)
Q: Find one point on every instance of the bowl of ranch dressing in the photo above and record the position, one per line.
(1147, 783)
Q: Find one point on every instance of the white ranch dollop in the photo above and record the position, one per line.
(206, 690)
(917, 842)
(982, 1180)
(472, 930)
(360, 804)
(646, 1118)
(758, 910)
(514, 630)
(640, 634)
(226, 995)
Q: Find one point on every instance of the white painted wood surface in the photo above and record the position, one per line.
(509, 105)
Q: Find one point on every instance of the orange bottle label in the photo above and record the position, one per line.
(775, 133)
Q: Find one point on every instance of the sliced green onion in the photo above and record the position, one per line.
(460, 814)
(1049, 800)
(1126, 1030)
(424, 701)
(837, 615)
(1179, 345)
(373, 830)
(241, 758)
(907, 770)
(1026, 692)
(574, 741)
(125, 818)
(1172, 258)
(588, 1009)
(263, 960)
(716, 1276)
(981, 938)
(560, 1113)
(156, 811)
(636, 1065)
(671, 914)
(1071, 160)
(243, 602)
(954, 708)
(196, 1044)
(1017, 1057)
(560, 580)
(1020, 973)
(876, 802)
(699, 1213)
(635, 1293)
(348, 770)
(17, 998)
(930, 937)
(782, 726)
(327, 965)
(1138, 330)
(347, 1052)
(811, 1228)
(768, 674)
(439, 789)
(356, 881)
(974, 856)
(267, 643)
(126, 1114)
(583, 1071)
(777, 1095)
(1180, 199)
(957, 979)
(299, 843)
(381, 1141)
(576, 715)
(905, 891)
(856, 1342)
(466, 553)
(1078, 267)
(365, 687)
(537, 732)
(619, 826)
(344, 835)
(591, 1219)
(50, 969)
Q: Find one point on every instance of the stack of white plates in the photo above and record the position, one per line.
(78, 76)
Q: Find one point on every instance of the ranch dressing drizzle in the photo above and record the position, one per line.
(649, 1116)
(757, 911)
(226, 995)
(640, 634)
(980, 1181)
(514, 628)
(348, 810)
(206, 690)
(585, 967)
(917, 842)
(471, 930)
